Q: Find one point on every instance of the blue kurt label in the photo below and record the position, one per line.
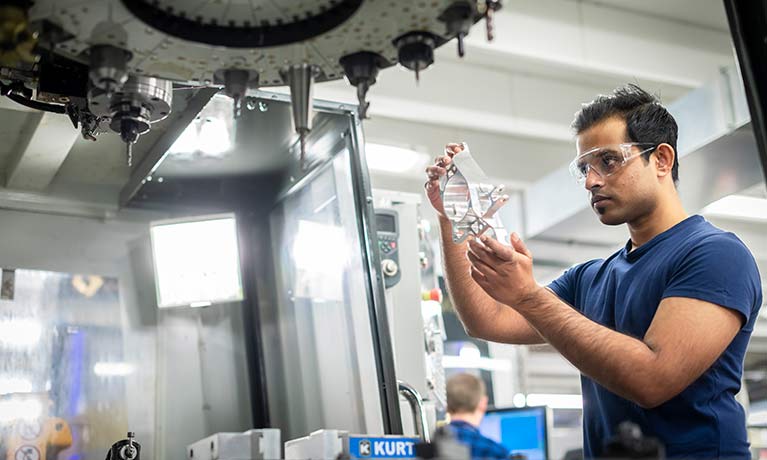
(361, 448)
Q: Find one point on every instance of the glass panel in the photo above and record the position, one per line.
(63, 370)
(325, 346)
(84, 359)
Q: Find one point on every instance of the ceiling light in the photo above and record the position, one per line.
(555, 401)
(394, 160)
(757, 418)
(469, 358)
(739, 207)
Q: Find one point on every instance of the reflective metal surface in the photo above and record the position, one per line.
(470, 201)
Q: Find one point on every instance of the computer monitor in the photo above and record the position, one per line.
(522, 430)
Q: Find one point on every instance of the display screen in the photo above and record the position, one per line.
(521, 430)
(197, 261)
(386, 223)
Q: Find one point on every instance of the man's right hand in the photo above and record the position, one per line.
(437, 170)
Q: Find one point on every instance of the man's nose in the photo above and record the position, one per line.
(593, 179)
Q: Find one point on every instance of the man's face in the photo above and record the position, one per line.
(625, 195)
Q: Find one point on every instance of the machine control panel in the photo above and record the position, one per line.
(387, 228)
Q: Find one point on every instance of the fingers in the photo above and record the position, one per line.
(480, 264)
(519, 246)
(435, 172)
(453, 149)
(477, 276)
(498, 249)
(482, 252)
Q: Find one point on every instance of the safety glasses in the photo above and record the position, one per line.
(608, 159)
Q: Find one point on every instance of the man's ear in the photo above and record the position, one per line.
(482, 406)
(664, 159)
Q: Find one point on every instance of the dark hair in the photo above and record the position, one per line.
(646, 119)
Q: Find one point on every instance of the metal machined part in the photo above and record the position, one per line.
(470, 201)
(141, 102)
(300, 79)
(108, 67)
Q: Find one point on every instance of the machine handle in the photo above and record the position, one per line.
(416, 406)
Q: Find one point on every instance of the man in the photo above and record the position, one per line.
(466, 405)
(659, 329)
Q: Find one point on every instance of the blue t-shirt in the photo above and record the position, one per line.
(481, 447)
(692, 259)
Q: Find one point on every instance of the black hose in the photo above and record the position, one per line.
(8, 90)
(37, 105)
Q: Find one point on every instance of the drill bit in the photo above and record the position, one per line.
(129, 148)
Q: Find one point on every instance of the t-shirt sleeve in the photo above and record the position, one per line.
(720, 270)
(566, 286)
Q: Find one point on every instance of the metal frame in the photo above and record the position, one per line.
(382, 342)
(254, 346)
(748, 26)
(363, 200)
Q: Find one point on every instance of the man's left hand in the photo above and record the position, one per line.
(504, 272)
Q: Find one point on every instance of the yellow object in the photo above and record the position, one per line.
(31, 439)
(17, 42)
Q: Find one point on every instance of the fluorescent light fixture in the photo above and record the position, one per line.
(555, 401)
(470, 358)
(739, 207)
(15, 385)
(20, 333)
(20, 409)
(758, 418)
(196, 261)
(214, 138)
(113, 369)
(469, 353)
(394, 160)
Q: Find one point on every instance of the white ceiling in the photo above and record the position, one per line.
(700, 13)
